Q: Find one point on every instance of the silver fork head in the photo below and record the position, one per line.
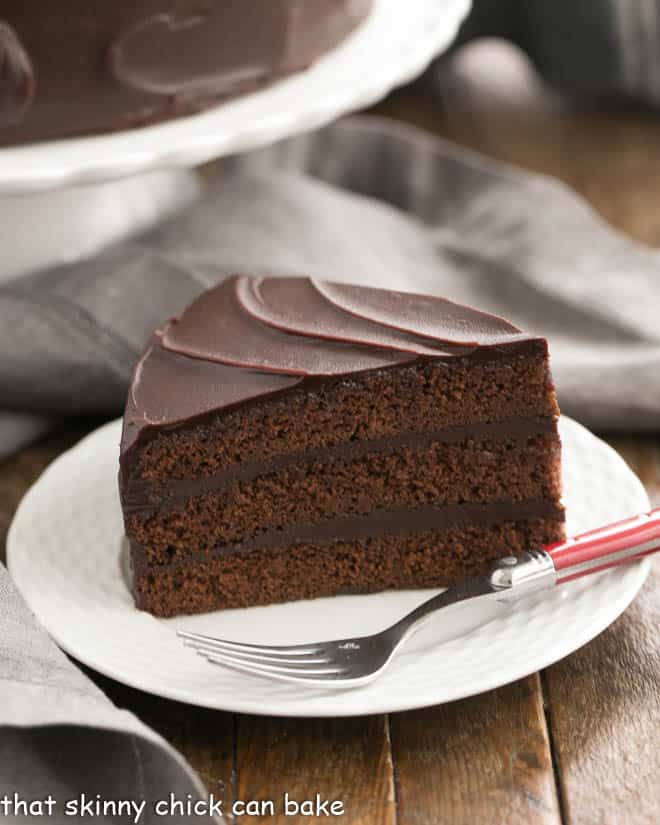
(349, 662)
(341, 663)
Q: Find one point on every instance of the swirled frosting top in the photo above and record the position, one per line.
(251, 337)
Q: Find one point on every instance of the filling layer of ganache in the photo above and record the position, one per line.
(252, 343)
(145, 495)
(356, 528)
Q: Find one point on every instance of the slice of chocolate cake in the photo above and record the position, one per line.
(289, 438)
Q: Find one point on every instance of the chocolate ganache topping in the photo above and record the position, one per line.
(249, 338)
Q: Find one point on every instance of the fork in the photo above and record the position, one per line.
(345, 663)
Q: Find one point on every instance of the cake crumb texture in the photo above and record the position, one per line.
(434, 558)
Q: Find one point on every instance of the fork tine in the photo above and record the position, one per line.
(274, 650)
(252, 656)
(291, 673)
(296, 668)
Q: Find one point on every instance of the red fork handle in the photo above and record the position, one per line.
(606, 547)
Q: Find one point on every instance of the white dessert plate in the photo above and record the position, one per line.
(64, 552)
(393, 45)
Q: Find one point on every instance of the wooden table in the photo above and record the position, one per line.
(578, 743)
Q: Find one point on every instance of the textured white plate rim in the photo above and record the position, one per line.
(419, 29)
(334, 706)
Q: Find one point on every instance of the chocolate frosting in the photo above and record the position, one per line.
(302, 326)
(249, 338)
(105, 65)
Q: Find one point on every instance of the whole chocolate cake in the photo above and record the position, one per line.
(72, 67)
(288, 438)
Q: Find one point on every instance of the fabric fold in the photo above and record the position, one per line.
(60, 735)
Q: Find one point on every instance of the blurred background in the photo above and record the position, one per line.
(570, 88)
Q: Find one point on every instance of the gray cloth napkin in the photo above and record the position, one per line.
(60, 736)
(368, 201)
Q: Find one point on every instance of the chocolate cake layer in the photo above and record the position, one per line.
(296, 417)
(145, 495)
(413, 559)
(78, 66)
(378, 484)
(359, 527)
(241, 415)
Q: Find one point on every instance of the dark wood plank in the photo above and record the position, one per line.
(346, 760)
(482, 760)
(605, 719)
(605, 700)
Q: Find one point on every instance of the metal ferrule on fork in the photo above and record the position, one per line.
(516, 576)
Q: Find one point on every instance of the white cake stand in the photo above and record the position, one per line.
(65, 199)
